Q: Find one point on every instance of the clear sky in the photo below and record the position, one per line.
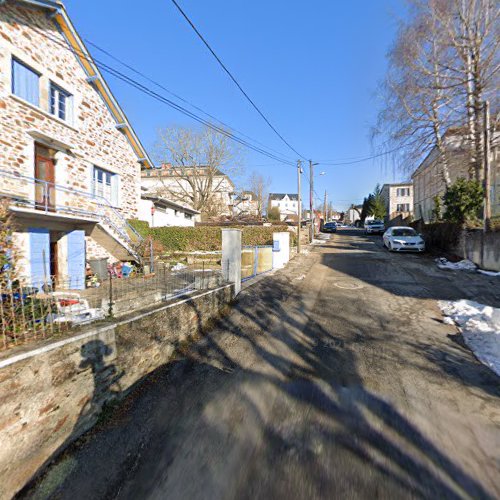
(311, 66)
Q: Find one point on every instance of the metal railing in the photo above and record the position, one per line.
(48, 197)
(54, 307)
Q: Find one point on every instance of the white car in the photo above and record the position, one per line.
(374, 226)
(403, 239)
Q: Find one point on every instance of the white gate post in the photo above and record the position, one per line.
(281, 249)
(231, 257)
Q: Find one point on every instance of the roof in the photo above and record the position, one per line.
(171, 170)
(280, 196)
(243, 196)
(398, 184)
(61, 19)
(158, 200)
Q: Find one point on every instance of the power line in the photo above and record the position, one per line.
(146, 90)
(177, 96)
(361, 160)
(223, 66)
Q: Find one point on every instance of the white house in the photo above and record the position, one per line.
(246, 204)
(160, 212)
(288, 204)
(181, 184)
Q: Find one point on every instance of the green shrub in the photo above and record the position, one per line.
(141, 226)
(463, 201)
(205, 238)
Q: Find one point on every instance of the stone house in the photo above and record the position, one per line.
(428, 179)
(160, 212)
(69, 159)
(288, 204)
(182, 184)
(398, 200)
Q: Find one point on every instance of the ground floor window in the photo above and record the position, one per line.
(105, 184)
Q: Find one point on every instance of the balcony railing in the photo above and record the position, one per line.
(48, 197)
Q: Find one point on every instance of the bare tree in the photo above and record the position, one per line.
(440, 67)
(196, 165)
(259, 185)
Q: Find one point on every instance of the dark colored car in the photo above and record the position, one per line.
(330, 227)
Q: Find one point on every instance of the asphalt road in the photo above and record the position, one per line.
(334, 378)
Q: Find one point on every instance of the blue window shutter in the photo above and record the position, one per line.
(76, 259)
(25, 82)
(39, 255)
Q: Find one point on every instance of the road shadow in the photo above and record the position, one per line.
(95, 356)
(269, 404)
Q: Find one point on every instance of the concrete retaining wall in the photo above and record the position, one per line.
(474, 244)
(52, 393)
(481, 248)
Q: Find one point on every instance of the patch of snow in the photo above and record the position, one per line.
(178, 267)
(488, 273)
(301, 277)
(463, 265)
(480, 327)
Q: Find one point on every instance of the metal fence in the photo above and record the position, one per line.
(54, 307)
(255, 260)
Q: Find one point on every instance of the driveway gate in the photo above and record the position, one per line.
(255, 260)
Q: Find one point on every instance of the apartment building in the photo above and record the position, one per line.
(398, 200)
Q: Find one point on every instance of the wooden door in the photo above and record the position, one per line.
(54, 264)
(45, 195)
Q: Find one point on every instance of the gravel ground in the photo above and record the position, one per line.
(334, 378)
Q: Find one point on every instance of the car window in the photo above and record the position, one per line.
(405, 231)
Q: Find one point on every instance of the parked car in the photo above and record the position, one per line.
(330, 227)
(374, 227)
(403, 239)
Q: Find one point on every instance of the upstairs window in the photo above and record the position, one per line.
(403, 192)
(105, 185)
(60, 102)
(25, 82)
(403, 207)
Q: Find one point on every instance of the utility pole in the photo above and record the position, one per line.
(311, 191)
(487, 167)
(299, 171)
(324, 209)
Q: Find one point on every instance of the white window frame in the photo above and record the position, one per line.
(110, 189)
(54, 108)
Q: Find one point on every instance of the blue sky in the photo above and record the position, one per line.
(312, 67)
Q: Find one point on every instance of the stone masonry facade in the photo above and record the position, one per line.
(30, 36)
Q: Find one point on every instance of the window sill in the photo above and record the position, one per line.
(38, 109)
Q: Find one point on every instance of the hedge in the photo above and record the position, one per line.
(205, 238)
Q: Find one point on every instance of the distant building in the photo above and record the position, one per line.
(288, 204)
(398, 200)
(180, 183)
(353, 214)
(160, 212)
(246, 203)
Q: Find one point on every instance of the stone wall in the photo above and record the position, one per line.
(53, 392)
